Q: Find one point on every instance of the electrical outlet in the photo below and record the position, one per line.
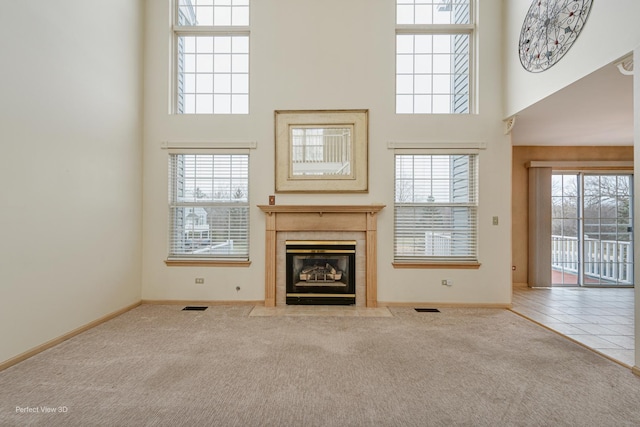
(495, 220)
(199, 280)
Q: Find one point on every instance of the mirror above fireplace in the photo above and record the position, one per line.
(321, 151)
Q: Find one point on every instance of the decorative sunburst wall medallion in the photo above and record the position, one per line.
(549, 30)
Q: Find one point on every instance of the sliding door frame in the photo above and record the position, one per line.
(539, 235)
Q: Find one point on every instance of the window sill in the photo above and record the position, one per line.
(450, 265)
(205, 263)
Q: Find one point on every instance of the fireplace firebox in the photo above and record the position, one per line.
(321, 272)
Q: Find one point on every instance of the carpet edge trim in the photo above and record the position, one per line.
(606, 356)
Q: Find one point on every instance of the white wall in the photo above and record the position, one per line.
(331, 54)
(70, 133)
(610, 33)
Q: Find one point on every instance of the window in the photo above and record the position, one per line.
(591, 229)
(434, 41)
(435, 208)
(209, 206)
(212, 56)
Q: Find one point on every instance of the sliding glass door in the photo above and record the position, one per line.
(565, 229)
(592, 234)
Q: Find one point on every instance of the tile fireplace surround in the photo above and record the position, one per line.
(330, 222)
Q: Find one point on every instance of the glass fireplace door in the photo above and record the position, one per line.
(320, 272)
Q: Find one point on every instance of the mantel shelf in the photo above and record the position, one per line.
(320, 209)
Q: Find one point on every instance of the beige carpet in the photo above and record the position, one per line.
(160, 366)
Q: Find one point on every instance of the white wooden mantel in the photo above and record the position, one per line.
(321, 218)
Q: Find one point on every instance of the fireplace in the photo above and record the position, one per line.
(320, 222)
(320, 272)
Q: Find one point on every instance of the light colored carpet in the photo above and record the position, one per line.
(160, 366)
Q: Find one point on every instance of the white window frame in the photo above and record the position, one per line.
(215, 252)
(438, 29)
(208, 31)
(425, 260)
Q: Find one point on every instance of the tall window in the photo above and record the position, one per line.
(212, 56)
(434, 41)
(209, 206)
(435, 208)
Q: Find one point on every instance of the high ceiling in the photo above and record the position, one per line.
(595, 110)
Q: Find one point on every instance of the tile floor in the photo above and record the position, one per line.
(602, 319)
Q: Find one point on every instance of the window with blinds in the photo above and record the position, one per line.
(435, 208)
(434, 45)
(212, 56)
(209, 206)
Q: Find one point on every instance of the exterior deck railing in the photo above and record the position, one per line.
(607, 260)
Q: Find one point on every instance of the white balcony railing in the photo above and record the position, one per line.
(322, 154)
(608, 260)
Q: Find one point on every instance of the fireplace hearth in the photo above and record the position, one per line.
(320, 272)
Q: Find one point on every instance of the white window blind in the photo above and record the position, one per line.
(209, 206)
(212, 56)
(435, 208)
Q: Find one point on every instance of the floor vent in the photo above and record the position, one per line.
(427, 310)
(194, 308)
